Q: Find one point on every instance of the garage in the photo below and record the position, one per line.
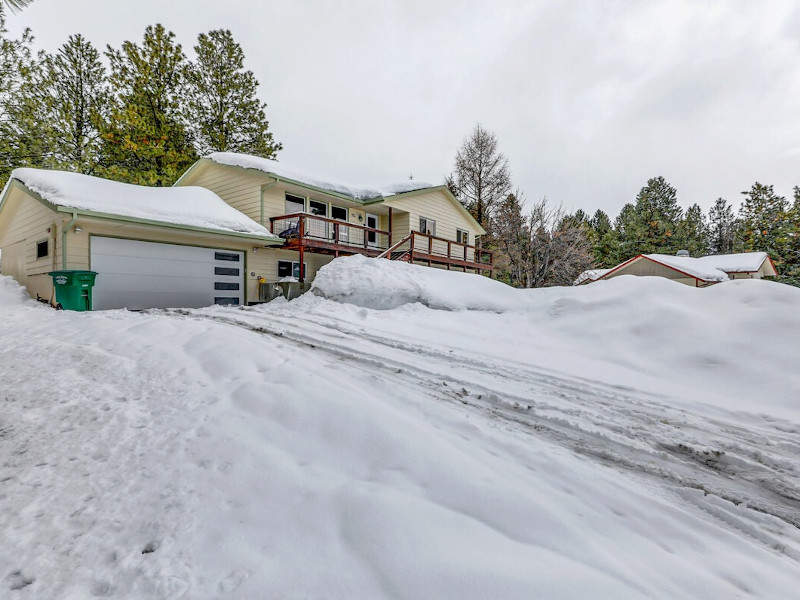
(135, 274)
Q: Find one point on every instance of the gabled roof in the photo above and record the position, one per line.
(709, 269)
(277, 171)
(190, 207)
(590, 275)
(359, 195)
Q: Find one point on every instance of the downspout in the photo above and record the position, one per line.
(264, 188)
(54, 236)
(64, 240)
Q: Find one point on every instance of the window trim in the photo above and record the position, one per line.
(288, 197)
(295, 264)
(462, 236)
(424, 222)
(46, 243)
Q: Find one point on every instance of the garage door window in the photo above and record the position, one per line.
(226, 271)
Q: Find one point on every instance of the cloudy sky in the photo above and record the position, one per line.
(588, 98)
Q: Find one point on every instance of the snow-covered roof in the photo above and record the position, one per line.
(713, 268)
(274, 169)
(188, 206)
(745, 262)
(590, 275)
(707, 268)
(691, 266)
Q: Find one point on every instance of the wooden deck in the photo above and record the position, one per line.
(304, 232)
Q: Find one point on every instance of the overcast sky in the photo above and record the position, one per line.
(588, 99)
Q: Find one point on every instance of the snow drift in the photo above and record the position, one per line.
(521, 444)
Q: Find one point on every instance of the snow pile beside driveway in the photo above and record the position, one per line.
(317, 449)
(735, 343)
(385, 284)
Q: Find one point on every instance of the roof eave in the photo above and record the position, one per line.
(268, 240)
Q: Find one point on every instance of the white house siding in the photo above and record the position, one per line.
(27, 221)
(434, 205)
(241, 188)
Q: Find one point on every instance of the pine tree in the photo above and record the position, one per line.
(482, 177)
(18, 71)
(74, 101)
(656, 218)
(761, 218)
(145, 140)
(511, 240)
(693, 232)
(16, 5)
(221, 102)
(722, 227)
(605, 241)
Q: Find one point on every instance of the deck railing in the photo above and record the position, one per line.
(309, 231)
(422, 246)
(304, 226)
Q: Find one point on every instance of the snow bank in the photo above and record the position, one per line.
(12, 294)
(385, 284)
(274, 168)
(192, 206)
(548, 443)
(736, 340)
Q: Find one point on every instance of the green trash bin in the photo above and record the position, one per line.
(73, 289)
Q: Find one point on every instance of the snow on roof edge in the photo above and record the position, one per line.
(355, 193)
(187, 206)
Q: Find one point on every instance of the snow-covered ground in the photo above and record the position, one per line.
(406, 433)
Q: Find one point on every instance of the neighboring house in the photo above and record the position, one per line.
(321, 220)
(697, 272)
(230, 228)
(152, 247)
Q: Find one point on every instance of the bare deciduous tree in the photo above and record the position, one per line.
(545, 248)
(482, 177)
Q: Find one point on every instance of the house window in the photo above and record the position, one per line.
(462, 237)
(291, 268)
(427, 225)
(295, 204)
(339, 213)
(42, 249)
(315, 207)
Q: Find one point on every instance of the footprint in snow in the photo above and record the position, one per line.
(18, 580)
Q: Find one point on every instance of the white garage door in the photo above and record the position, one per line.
(135, 275)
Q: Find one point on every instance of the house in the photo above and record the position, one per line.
(230, 228)
(152, 247)
(320, 220)
(697, 272)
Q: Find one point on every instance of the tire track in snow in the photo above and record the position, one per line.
(754, 467)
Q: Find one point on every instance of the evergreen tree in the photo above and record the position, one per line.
(511, 241)
(655, 219)
(18, 71)
(73, 102)
(16, 5)
(605, 241)
(482, 177)
(221, 102)
(693, 232)
(627, 234)
(722, 227)
(145, 140)
(762, 219)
